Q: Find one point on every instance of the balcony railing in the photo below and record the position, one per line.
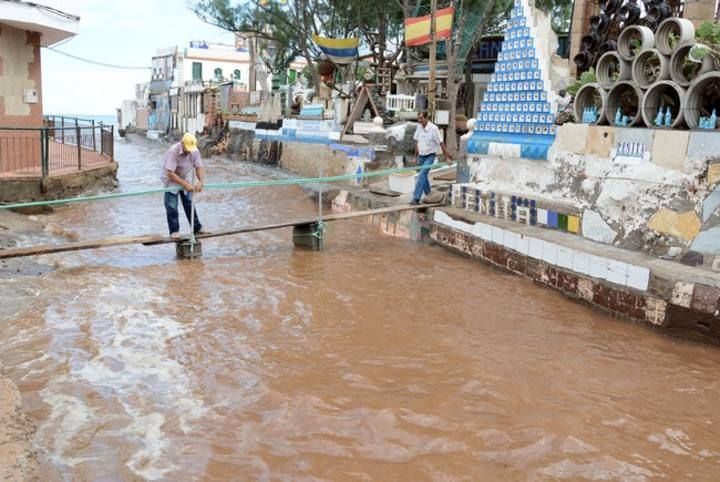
(399, 102)
(54, 149)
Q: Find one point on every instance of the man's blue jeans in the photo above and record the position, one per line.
(423, 183)
(171, 209)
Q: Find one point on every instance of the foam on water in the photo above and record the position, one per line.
(131, 361)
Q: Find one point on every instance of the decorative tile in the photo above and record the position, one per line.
(573, 224)
(523, 215)
(542, 217)
(562, 222)
(552, 219)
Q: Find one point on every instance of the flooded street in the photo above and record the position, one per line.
(377, 359)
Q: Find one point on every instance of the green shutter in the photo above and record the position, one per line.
(197, 71)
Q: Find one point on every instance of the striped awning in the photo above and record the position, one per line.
(341, 51)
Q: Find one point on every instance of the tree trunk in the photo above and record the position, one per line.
(469, 98)
(453, 85)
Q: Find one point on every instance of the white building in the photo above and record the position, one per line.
(207, 62)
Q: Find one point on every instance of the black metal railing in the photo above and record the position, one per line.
(54, 148)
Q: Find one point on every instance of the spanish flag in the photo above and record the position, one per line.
(417, 29)
(340, 50)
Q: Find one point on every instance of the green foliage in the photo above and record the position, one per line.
(708, 33)
(673, 40)
(585, 78)
(698, 53)
(560, 12)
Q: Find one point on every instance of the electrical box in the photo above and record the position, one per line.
(442, 117)
(30, 96)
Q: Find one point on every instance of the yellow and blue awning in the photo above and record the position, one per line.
(341, 51)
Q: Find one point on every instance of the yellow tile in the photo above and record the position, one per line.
(663, 221)
(574, 224)
(687, 225)
(713, 173)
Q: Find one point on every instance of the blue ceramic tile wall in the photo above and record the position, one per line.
(516, 100)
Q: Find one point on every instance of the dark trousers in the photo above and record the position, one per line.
(171, 210)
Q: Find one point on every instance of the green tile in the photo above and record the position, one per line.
(563, 222)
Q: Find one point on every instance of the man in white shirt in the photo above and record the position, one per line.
(428, 141)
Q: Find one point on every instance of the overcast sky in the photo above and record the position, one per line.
(123, 32)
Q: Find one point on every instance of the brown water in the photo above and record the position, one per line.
(377, 359)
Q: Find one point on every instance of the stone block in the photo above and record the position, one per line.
(600, 140)
(713, 176)
(707, 242)
(705, 299)
(682, 294)
(571, 138)
(670, 149)
(710, 204)
(595, 228)
(655, 310)
(686, 225)
(703, 145)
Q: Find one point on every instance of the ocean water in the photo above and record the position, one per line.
(87, 118)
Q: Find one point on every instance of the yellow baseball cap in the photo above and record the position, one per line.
(189, 142)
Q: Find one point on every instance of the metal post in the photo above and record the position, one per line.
(320, 193)
(62, 129)
(112, 143)
(433, 48)
(93, 132)
(44, 153)
(79, 148)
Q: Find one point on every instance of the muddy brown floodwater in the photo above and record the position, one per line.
(377, 359)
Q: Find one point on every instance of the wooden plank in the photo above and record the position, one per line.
(156, 239)
(383, 192)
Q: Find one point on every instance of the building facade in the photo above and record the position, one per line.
(24, 29)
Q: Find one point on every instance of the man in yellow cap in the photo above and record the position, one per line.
(180, 160)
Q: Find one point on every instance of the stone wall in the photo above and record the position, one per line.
(60, 186)
(651, 190)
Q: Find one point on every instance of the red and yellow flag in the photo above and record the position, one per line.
(417, 29)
